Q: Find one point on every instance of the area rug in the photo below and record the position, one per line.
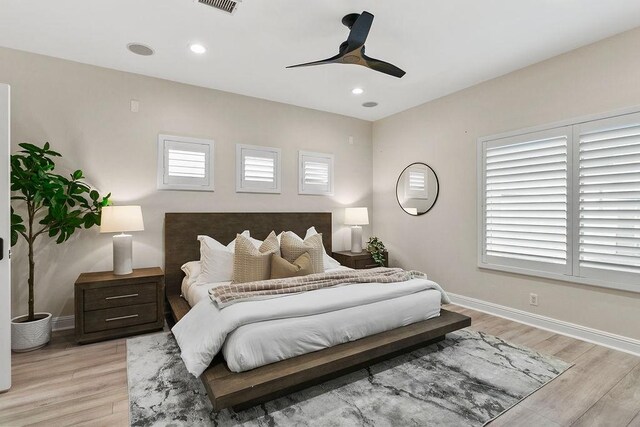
(465, 380)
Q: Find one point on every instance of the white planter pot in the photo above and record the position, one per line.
(28, 336)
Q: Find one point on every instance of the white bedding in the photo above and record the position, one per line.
(314, 320)
(259, 344)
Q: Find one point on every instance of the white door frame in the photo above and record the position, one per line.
(5, 235)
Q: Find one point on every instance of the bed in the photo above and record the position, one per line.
(255, 385)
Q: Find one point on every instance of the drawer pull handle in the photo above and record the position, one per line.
(371, 265)
(131, 316)
(122, 296)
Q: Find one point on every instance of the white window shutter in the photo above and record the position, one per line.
(526, 202)
(185, 163)
(609, 199)
(416, 187)
(257, 169)
(315, 173)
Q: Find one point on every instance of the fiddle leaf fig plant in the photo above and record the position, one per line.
(376, 248)
(56, 206)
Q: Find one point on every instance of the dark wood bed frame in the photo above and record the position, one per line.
(246, 389)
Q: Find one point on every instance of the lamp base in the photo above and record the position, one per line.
(356, 239)
(122, 254)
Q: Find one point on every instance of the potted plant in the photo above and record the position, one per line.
(377, 250)
(56, 207)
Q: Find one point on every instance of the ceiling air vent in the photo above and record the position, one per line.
(228, 6)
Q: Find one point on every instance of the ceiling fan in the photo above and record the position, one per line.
(352, 50)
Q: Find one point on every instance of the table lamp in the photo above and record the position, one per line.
(356, 217)
(121, 219)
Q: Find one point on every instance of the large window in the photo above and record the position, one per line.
(564, 202)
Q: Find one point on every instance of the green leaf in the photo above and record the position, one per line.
(30, 148)
(94, 195)
(89, 221)
(77, 174)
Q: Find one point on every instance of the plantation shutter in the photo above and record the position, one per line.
(416, 186)
(417, 181)
(186, 163)
(316, 173)
(526, 202)
(259, 169)
(609, 199)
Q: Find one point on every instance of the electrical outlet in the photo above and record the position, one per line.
(533, 299)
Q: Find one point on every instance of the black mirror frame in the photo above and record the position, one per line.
(437, 182)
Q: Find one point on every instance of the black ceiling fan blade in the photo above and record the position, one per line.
(321, 62)
(383, 67)
(359, 31)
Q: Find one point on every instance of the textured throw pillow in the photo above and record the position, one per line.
(232, 245)
(251, 264)
(281, 268)
(292, 247)
(329, 263)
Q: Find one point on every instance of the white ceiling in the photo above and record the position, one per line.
(443, 45)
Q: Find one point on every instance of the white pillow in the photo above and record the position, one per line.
(217, 259)
(192, 270)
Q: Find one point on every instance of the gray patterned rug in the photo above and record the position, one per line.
(465, 380)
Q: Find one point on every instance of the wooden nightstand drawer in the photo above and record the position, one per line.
(113, 318)
(365, 263)
(119, 296)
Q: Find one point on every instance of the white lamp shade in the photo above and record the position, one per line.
(356, 216)
(119, 219)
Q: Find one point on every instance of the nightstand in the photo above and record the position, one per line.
(110, 306)
(358, 261)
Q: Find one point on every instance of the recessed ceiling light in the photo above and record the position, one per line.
(370, 104)
(357, 91)
(198, 48)
(140, 49)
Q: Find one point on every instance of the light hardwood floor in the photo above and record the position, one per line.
(64, 384)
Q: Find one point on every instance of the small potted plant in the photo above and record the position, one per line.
(377, 250)
(56, 207)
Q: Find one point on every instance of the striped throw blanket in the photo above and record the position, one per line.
(263, 289)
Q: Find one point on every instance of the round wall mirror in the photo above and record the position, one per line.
(417, 189)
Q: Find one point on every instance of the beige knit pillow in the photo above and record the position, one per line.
(251, 264)
(292, 247)
(281, 268)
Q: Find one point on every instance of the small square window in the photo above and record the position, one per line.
(315, 173)
(257, 169)
(185, 163)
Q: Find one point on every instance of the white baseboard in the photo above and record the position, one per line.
(63, 322)
(595, 336)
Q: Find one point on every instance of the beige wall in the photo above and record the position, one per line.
(443, 133)
(84, 112)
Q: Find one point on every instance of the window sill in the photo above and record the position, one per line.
(562, 277)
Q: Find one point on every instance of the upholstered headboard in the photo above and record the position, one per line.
(182, 229)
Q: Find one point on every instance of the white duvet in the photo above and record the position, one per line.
(201, 333)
